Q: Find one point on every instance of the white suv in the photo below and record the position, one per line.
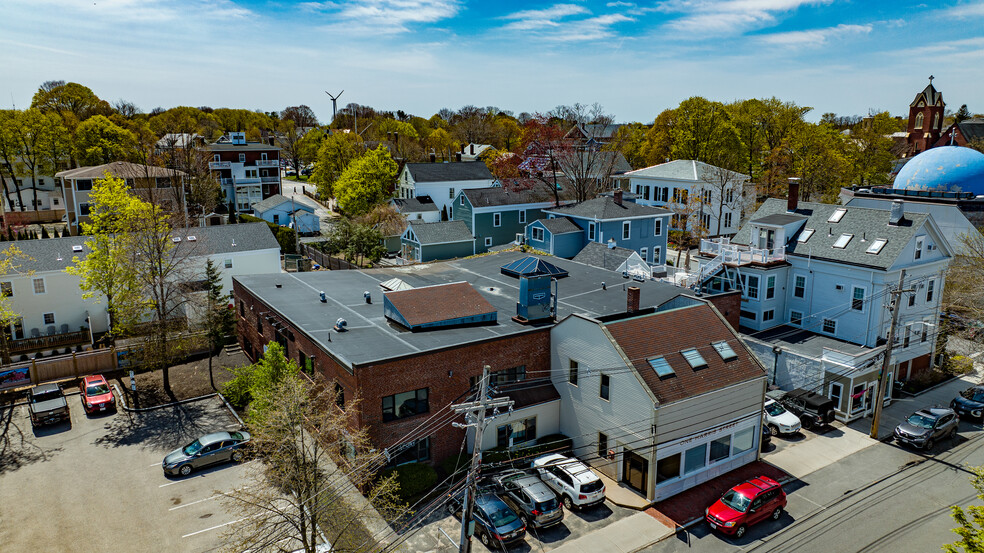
(778, 419)
(574, 482)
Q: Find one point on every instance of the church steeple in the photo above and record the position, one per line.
(925, 119)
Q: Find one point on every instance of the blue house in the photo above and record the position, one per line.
(284, 211)
(497, 216)
(630, 225)
(422, 242)
(558, 236)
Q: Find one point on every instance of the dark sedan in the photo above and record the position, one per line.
(970, 403)
(210, 449)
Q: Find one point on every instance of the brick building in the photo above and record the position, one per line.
(421, 346)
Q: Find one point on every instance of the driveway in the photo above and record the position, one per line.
(96, 484)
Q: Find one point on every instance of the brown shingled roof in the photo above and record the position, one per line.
(443, 302)
(666, 334)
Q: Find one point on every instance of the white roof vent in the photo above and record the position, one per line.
(192, 238)
(76, 248)
(176, 239)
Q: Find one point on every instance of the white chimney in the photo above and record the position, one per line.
(897, 213)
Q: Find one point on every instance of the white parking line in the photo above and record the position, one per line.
(180, 481)
(212, 528)
(195, 502)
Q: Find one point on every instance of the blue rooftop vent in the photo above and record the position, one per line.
(532, 266)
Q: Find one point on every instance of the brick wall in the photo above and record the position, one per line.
(729, 304)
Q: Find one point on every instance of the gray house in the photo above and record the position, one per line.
(423, 242)
(496, 216)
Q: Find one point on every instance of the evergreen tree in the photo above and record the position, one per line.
(232, 214)
(219, 318)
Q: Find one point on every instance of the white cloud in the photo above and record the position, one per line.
(143, 11)
(537, 19)
(558, 23)
(705, 17)
(814, 37)
(965, 10)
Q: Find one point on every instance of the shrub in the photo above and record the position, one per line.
(961, 365)
(414, 479)
(448, 465)
(285, 236)
(551, 443)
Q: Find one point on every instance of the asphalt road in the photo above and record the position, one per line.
(883, 498)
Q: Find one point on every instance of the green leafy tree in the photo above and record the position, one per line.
(870, 149)
(335, 153)
(820, 160)
(970, 522)
(98, 140)
(71, 98)
(703, 130)
(11, 260)
(252, 386)
(43, 145)
(219, 319)
(366, 182)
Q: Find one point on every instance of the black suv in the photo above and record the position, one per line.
(970, 403)
(812, 408)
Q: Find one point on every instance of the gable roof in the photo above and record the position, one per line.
(500, 196)
(441, 304)
(595, 130)
(600, 255)
(440, 232)
(971, 129)
(605, 208)
(444, 172)
(179, 140)
(667, 333)
(559, 225)
(598, 164)
(118, 169)
(420, 204)
(55, 254)
(278, 199)
(866, 224)
(929, 94)
(684, 169)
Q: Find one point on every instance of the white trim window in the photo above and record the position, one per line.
(644, 253)
(522, 215)
(626, 230)
(48, 318)
(657, 227)
(536, 233)
(917, 254)
(242, 158)
(799, 286)
(857, 298)
(830, 326)
(796, 317)
(837, 395)
(496, 219)
(592, 232)
(930, 288)
(488, 241)
(657, 254)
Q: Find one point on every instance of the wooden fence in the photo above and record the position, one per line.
(325, 260)
(57, 368)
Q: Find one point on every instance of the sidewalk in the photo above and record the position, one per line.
(820, 451)
(628, 535)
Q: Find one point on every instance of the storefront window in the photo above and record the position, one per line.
(744, 440)
(720, 449)
(668, 468)
(696, 458)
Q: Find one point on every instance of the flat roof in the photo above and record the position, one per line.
(802, 341)
(371, 338)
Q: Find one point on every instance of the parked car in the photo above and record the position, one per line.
(47, 404)
(812, 408)
(746, 504)
(970, 403)
(210, 449)
(576, 484)
(535, 503)
(495, 522)
(778, 419)
(96, 394)
(924, 427)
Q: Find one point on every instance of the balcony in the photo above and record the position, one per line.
(245, 181)
(737, 254)
(269, 180)
(220, 165)
(51, 341)
(268, 163)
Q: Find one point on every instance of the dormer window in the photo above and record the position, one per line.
(805, 235)
(843, 240)
(837, 215)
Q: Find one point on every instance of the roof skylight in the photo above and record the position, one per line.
(843, 240)
(694, 358)
(805, 235)
(837, 215)
(661, 366)
(725, 350)
(876, 246)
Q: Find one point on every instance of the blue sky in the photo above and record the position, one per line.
(635, 58)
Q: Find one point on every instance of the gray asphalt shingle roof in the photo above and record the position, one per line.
(119, 169)
(605, 208)
(560, 225)
(443, 172)
(488, 197)
(441, 232)
(420, 204)
(683, 169)
(600, 255)
(865, 224)
(276, 200)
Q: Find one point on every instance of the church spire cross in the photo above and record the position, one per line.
(931, 79)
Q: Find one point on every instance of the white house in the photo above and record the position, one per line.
(288, 212)
(49, 300)
(421, 208)
(828, 269)
(660, 402)
(442, 181)
(681, 184)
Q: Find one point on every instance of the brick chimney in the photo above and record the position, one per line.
(792, 201)
(632, 299)
(618, 197)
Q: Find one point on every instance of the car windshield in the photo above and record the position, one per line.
(920, 421)
(192, 448)
(96, 390)
(501, 516)
(774, 409)
(974, 394)
(736, 501)
(549, 505)
(238, 436)
(591, 487)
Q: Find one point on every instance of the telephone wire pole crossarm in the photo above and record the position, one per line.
(476, 410)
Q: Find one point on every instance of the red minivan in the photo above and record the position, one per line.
(746, 504)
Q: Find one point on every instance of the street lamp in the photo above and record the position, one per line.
(775, 366)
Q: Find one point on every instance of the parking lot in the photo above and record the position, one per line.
(576, 524)
(96, 484)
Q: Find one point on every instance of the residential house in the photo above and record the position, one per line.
(430, 329)
(611, 257)
(421, 208)
(660, 402)
(442, 182)
(248, 172)
(558, 236)
(49, 300)
(159, 185)
(696, 191)
(828, 269)
(631, 225)
(422, 242)
(32, 201)
(592, 135)
(475, 152)
(287, 212)
(497, 216)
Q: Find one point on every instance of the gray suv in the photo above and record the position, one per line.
(926, 426)
(535, 502)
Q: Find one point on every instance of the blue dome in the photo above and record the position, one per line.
(944, 169)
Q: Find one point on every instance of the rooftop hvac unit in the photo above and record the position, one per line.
(535, 298)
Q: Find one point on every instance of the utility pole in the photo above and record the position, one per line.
(894, 307)
(477, 410)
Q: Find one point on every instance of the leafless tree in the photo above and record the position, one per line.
(964, 291)
(314, 462)
(126, 108)
(725, 187)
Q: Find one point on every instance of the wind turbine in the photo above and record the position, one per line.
(334, 103)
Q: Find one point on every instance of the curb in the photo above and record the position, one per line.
(225, 402)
